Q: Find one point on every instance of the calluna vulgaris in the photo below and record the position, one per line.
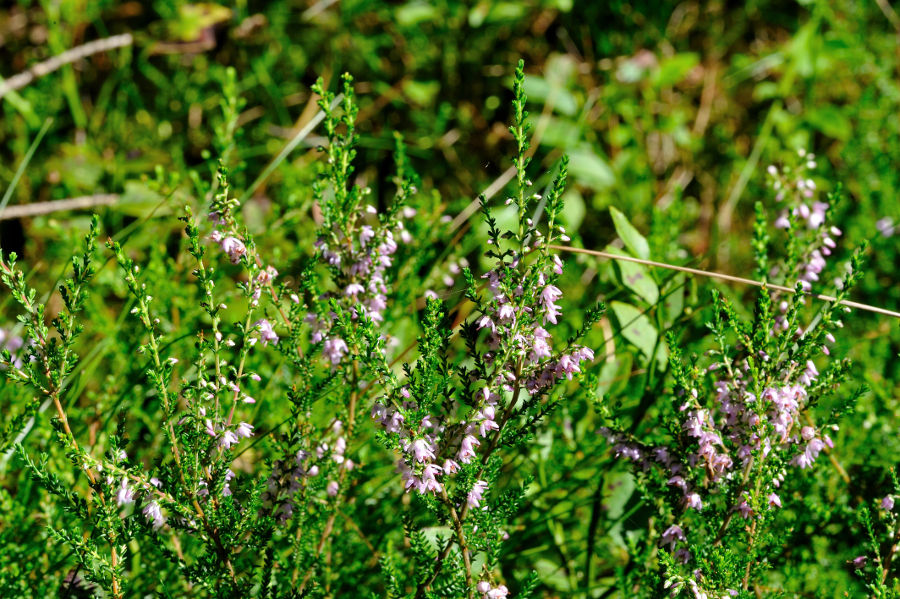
(222, 500)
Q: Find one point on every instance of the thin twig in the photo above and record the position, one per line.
(46, 67)
(39, 208)
(724, 277)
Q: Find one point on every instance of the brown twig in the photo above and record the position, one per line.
(39, 208)
(46, 67)
(724, 277)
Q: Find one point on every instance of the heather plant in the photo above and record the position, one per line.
(318, 344)
(742, 422)
(332, 382)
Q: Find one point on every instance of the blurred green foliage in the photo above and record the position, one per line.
(669, 111)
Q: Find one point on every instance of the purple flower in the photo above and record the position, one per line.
(693, 501)
(366, 233)
(467, 449)
(153, 514)
(421, 449)
(234, 247)
(476, 494)
(244, 430)
(334, 349)
(354, 289)
(672, 535)
(228, 439)
(887, 503)
(266, 333)
(125, 495)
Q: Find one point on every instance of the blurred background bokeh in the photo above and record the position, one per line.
(669, 111)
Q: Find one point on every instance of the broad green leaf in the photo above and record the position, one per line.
(634, 241)
(573, 210)
(673, 304)
(552, 574)
(638, 330)
(636, 277)
(831, 121)
(587, 168)
(541, 90)
(614, 373)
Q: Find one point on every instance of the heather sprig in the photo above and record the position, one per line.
(738, 429)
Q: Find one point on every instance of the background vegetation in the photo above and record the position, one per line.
(670, 113)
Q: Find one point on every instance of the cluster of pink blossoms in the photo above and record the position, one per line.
(798, 192)
(520, 357)
(727, 436)
(361, 255)
(514, 320)
(421, 464)
(490, 592)
(127, 494)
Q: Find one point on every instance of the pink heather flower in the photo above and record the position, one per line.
(692, 500)
(125, 495)
(541, 347)
(209, 428)
(486, 322)
(551, 313)
(228, 439)
(550, 294)
(500, 592)
(774, 500)
(450, 467)
(153, 514)
(428, 480)
(507, 312)
(745, 509)
(483, 586)
(567, 366)
(365, 234)
(557, 265)
(817, 217)
(354, 289)
(244, 430)
(672, 535)
(677, 481)
(859, 562)
(422, 449)
(266, 333)
(887, 503)
(334, 349)
(467, 449)
(332, 488)
(476, 494)
(234, 247)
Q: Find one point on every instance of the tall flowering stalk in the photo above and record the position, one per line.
(740, 427)
(449, 419)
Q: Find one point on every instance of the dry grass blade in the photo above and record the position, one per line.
(724, 277)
